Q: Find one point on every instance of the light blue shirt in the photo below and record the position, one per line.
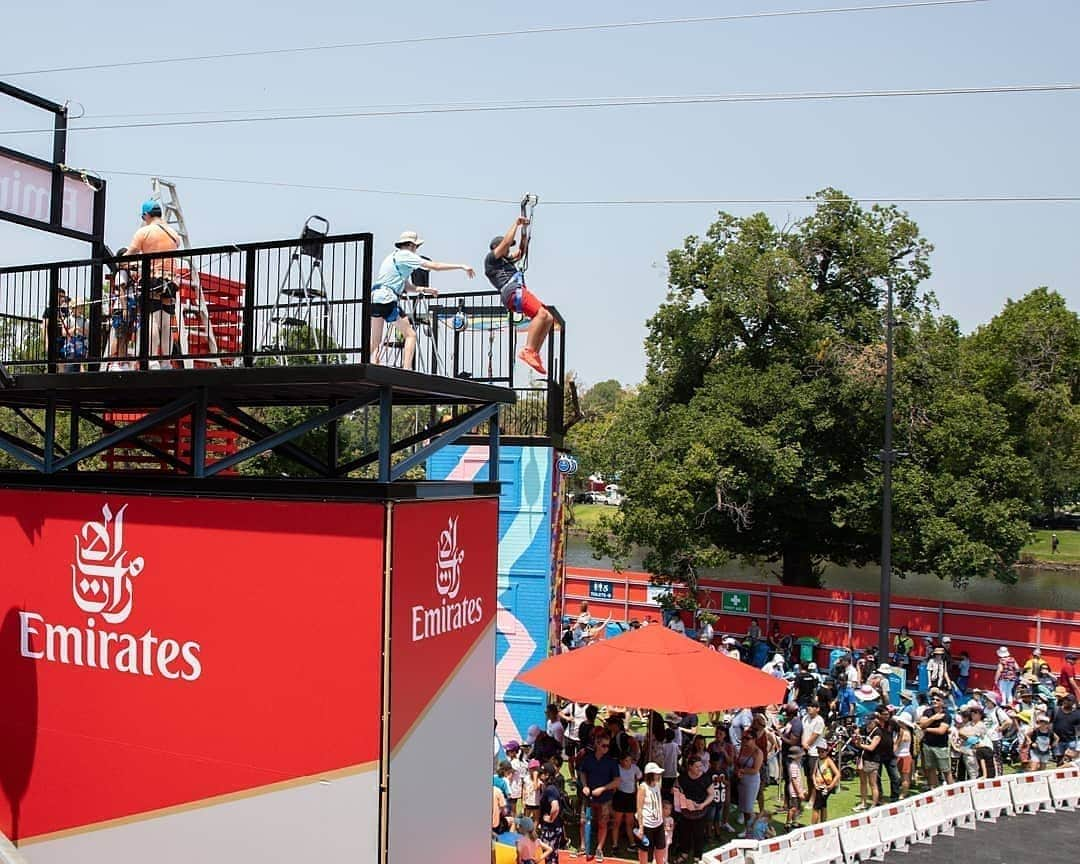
(394, 271)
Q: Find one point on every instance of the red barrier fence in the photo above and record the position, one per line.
(839, 618)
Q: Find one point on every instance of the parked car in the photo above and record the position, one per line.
(613, 495)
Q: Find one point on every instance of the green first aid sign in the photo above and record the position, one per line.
(735, 601)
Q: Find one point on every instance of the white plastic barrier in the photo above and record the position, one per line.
(859, 838)
(928, 813)
(1031, 792)
(896, 827)
(734, 852)
(958, 805)
(992, 798)
(8, 853)
(775, 851)
(1065, 788)
(818, 844)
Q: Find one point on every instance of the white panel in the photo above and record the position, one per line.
(331, 822)
(447, 759)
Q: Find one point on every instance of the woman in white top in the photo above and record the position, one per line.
(652, 842)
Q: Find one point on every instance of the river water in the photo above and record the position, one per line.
(1037, 588)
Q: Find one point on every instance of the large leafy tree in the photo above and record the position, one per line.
(1027, 360)
(757, 428)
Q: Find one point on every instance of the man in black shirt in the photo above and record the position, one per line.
(510, 282)
(1066, 725)
(935, 723)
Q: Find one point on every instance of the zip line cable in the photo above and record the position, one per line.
(497, 34)
(616, 202)
(574, 104)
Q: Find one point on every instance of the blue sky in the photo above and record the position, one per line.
(602, 266)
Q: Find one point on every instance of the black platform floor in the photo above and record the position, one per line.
(1023, 839)
(260, 385)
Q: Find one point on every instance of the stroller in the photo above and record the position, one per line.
(842, 745)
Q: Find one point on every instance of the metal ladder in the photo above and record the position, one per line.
(164, 192)
(301, 306)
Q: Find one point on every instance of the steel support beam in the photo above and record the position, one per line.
(167, 412)
(166, 457)
(493, 448)
(253, 430)
(198, 434)
(449, 437)
(285, 435)
(386, 423)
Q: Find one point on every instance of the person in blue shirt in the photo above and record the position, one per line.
(598, 776)
(393, 279)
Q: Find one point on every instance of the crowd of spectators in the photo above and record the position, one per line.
(666, 790)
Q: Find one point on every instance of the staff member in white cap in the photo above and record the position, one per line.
(391, 282)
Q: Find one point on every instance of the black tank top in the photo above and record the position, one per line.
(499, 271)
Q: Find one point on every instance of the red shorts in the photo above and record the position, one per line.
(525, 302)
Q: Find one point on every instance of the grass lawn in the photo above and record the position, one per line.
(1039, 549)
(587, 515)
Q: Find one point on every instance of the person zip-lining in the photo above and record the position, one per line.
(500, 269)
(394, 279)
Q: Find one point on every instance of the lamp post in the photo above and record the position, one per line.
(887, 457)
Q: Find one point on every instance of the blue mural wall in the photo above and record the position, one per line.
(525, 570)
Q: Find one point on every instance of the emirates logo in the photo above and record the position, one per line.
(448, 564)
(101, 577)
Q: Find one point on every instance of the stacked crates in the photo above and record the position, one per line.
(224, 300)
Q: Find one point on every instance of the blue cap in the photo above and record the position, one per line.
(151, 207)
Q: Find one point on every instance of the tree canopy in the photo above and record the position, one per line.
(757, 430)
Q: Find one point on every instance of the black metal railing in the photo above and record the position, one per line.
(278, 303)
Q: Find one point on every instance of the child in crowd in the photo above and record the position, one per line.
(531, 787)
(825, 780)
(669, 823)
(519, 769)
(797, 791)
(1042, 744)
(530, 849)
(759, 827)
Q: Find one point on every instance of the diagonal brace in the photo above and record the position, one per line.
(165, 456)
(167, 412)
(237, 420)
(18, 449)
(402, 444)
(468, 422)
(274, 441)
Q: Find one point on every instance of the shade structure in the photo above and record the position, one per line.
(654, 667)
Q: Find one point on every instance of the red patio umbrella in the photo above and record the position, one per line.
(654, 667)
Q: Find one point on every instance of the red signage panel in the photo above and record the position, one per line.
(442, 595)
(163, 651)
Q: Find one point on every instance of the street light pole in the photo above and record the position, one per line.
(888, 457)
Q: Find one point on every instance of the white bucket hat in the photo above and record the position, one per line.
(409, 237)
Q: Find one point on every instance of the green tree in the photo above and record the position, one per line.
(756, 431)
(1027, 360)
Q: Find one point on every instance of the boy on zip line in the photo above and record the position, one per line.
(500, 269)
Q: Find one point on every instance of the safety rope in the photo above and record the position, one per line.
(528, 208)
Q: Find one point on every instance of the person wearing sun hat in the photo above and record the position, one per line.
(1008, 670)
(650, 835)
(937, 670)
(530, 849)
(394, 279)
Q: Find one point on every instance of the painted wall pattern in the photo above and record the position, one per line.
(526, 538)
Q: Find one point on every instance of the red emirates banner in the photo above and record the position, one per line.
(157, 652)
(445, 556)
